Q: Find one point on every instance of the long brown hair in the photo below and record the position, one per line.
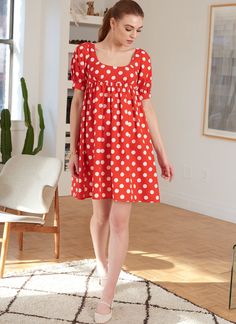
(119, 9)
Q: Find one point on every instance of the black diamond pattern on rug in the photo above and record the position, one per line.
(68, 293)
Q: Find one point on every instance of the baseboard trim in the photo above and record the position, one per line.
(211, 209)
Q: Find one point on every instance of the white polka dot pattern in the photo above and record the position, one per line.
(116, 157)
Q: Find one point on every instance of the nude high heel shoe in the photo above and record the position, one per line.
(103, 318)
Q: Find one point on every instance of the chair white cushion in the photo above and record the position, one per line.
(13, 218)
(28, 183)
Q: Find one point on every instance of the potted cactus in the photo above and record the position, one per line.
(29, 139)
(6, 144)
(5, 123)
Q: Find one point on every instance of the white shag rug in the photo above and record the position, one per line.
(68, 293)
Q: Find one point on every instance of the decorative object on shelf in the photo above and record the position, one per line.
(6, 143)
(79, 41)
(69, 100)
(220, 92)
(29, 139)
(105, 11)
(90, 10)
(67, 156)
(77, 9)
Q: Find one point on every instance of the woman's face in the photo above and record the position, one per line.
(126, 30)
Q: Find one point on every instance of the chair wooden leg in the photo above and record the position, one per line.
(21, 235)
(6, 236)
(57, 224)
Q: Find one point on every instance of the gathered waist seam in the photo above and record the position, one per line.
(112, 84)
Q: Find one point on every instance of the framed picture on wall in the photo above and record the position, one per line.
(220, 91)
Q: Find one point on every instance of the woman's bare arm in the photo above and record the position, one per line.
(153, 127)
(75, 116)
(166, 167)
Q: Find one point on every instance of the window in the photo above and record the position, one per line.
(6, 51)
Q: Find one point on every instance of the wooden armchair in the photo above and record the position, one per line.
(28, 185)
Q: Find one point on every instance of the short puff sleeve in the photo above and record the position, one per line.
(145, 76)
(78, 67)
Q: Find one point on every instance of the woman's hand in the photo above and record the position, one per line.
(74, 165)
(167, 171)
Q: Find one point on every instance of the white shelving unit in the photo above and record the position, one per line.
(85, 30)
(71, 48)
(56, 51)
(69, 84)
(89, 20)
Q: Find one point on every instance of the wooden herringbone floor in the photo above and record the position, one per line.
(186, 252)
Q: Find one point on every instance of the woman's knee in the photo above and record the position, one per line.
(101, 211)
(119, 217)
(118, 225)
(100, 218)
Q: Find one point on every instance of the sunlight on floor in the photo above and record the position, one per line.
(151, 255)
(175, 268)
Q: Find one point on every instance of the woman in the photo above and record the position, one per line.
(113, 127)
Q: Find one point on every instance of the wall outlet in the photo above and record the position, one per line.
(187, 172)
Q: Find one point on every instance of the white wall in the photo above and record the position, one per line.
(53, 72)
(176, 34)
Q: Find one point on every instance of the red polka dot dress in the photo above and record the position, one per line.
(116, 156)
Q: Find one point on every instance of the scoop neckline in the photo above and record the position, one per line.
(113, 66)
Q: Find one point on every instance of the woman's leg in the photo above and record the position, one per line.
(99, 229)
(117, 249)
